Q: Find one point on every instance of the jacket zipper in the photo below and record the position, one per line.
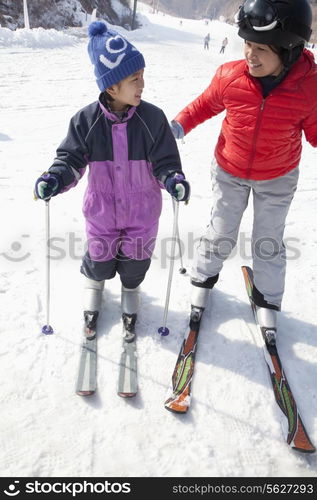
(255, 136)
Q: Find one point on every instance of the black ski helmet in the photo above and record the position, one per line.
(282, 23)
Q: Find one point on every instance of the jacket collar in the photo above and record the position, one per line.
(299, 71)
(113, 117)
(304, 66)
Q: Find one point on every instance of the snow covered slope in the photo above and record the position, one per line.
(233, 426)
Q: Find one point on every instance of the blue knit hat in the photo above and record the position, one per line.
(112, 55)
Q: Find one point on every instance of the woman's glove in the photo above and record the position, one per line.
(177, 129)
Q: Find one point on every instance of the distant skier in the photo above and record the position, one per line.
(270, 101)
(223, 45)
(130, 149)
(206, 41)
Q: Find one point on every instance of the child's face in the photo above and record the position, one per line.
(127, 92)
(262, 60)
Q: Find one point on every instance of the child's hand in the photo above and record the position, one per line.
(177, 129)
(46, 186)
(178, 187)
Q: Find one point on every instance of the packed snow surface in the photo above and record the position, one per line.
(233, 427)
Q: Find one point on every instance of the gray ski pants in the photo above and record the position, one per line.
(271, 202)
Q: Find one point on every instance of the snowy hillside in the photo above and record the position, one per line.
(62, 13)
(233, 427)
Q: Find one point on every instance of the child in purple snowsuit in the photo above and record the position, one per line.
(131, 152)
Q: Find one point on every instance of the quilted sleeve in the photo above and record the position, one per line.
(205, 106)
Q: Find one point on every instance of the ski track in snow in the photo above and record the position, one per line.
(232, 428)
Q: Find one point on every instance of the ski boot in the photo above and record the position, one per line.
(87, 371)
(267, 320)
(128, 385)
(129, 307)
(198, 300)
(92, 303)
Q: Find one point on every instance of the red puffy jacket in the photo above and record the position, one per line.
(261, 138)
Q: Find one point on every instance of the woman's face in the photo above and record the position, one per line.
(262, 60)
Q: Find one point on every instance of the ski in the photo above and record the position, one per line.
(179, 400)
(296, 434)
(87, 371)
(128, 383)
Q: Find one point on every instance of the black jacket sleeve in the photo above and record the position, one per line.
(164, 153)
(72, 154)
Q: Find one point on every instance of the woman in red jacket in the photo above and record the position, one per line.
(270, 98)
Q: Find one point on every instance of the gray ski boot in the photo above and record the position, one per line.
(87, 371)
(267, 319)
(127, 385)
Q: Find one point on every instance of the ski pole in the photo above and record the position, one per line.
(47, 329)
(182, 269)
(163, 330)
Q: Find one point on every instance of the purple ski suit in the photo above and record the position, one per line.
(128, 160)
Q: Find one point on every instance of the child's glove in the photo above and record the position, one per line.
(178, 187)
(47, 185)
(177, 129)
